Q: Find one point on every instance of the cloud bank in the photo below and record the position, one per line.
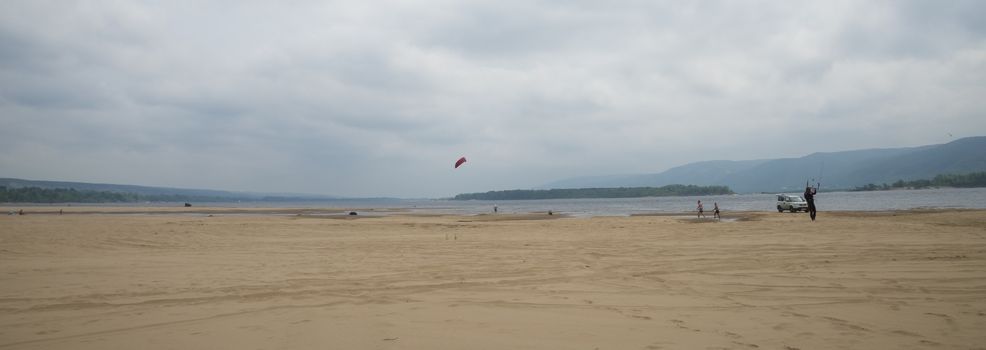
(379, 98)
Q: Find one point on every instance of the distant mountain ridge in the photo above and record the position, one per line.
(836, 170)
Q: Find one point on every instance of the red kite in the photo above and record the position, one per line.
(459, 162)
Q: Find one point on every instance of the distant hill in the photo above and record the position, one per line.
(707, 172)
(837, 170)
(180, 194)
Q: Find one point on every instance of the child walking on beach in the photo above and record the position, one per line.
(715, 211)
(700, 214)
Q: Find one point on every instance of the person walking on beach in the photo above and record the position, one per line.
(810, 198)
(715, 211)
(700, 214)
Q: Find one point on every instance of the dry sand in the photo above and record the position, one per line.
(255, 280)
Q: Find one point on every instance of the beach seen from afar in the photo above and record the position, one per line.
(287, 278)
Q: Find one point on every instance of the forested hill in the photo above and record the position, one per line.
(71, 195)
(33, 191)
(951, 180)
(115, 188)
(620, 192)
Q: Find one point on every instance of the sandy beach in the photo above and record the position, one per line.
(103, 278)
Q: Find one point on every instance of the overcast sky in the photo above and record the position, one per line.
(379, 98)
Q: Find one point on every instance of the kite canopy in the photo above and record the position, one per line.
(459, 162)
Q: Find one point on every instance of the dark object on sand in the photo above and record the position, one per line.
(550, 213)
(187, 204)
(352, 213)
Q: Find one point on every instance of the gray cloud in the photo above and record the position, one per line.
(362, 99)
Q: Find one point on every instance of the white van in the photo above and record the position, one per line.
(791, 202)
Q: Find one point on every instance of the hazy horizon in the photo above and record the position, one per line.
(360, 99)
(539, 187)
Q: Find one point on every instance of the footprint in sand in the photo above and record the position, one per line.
(903, 332)
(781, 326)
(844, 323)
(732, 335)
(659, 345)
(948, 319)
(749, 345)
(681, 324)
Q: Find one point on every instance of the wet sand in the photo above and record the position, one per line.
(98, 279)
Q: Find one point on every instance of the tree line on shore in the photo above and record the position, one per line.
(616, 192)
(944, 180)
(71, 195)
(35, 194)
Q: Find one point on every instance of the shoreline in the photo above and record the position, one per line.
(850, 201)
(402, 211)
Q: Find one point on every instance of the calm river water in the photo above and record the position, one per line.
(866, 201)
(973, 198)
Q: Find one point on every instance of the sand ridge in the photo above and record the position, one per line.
(775, 281)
